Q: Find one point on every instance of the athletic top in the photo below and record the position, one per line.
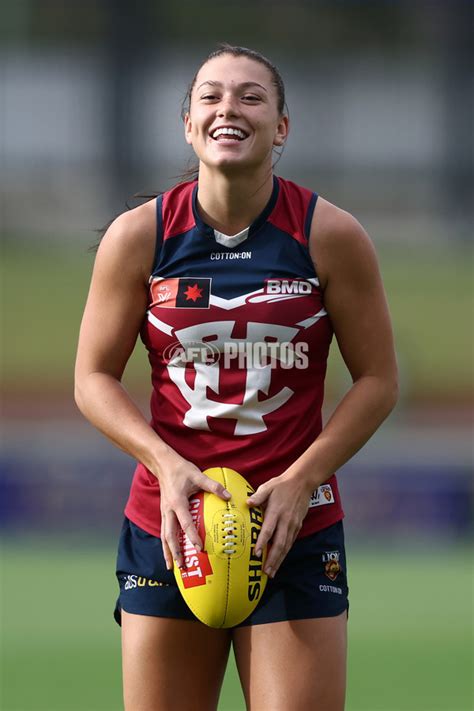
(238, 339)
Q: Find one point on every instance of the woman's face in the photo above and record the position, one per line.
(233, 122)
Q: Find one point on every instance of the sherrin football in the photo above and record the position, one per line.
(223, 584)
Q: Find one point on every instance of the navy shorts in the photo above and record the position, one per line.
(311, 581)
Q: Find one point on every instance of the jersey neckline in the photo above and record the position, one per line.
(231, 240)
(256, 224)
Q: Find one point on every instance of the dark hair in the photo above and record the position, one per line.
(224, 48)
(192, 172)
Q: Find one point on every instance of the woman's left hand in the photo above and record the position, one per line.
(285, 500)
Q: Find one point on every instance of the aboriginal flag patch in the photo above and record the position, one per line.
(181, 293)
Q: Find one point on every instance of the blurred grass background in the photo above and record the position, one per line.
(64, 649)
(44, 292)
(381, 125)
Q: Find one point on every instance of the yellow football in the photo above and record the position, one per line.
(224, 582)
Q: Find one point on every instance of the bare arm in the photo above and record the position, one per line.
(114, 311)
(355, 300)
(113, 315)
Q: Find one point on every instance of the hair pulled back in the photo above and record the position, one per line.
(225, 48)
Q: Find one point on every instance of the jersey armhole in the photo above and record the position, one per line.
(309, 216)
(159, 232)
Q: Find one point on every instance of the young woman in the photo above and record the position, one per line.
(233, 265)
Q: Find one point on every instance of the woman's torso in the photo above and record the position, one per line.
(238, 339)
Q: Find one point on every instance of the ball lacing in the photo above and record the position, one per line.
(229, 529)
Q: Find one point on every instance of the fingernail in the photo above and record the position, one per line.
(258, 552)
(227, 494)
(198, 547)
(269, 572)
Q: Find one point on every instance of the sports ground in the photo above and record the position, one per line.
(410, 637)
(411, 603)
(429, 289)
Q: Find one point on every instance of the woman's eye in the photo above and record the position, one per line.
(251, 97)
(208, 97)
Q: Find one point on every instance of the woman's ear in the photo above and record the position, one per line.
(282, 130)
(188, 128)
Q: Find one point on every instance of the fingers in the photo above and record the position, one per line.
(261, 495)
(170, 540)
(208, 484)
(177, 485)
(168, 555)
(172, 521)
(181, 519)
(258, 498)
(280, 545)
(186, 522)
(278, 533)
(284, 515)
(266, 532)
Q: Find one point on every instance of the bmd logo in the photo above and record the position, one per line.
(287, 286)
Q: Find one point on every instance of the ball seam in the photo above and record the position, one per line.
(228, 560)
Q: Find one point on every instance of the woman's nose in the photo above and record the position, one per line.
(229, 106)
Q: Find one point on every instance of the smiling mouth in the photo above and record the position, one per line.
(228, 134)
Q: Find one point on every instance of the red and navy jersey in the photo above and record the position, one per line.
(238, 339)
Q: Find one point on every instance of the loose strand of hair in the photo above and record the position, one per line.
(191, 173)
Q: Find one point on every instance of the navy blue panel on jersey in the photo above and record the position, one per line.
(271, 252)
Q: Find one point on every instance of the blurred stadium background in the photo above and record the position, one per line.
(380, 97)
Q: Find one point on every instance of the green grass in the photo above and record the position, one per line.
(410, 631)
(43, 295)
(430, 294)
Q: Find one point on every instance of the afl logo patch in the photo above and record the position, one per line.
(181, 292)
(332, 567)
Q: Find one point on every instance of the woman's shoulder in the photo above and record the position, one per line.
(328, 221)
(136, 224)
(331, 222)
(336, 238)
(131, 237)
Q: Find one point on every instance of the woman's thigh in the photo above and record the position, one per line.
(298, 664)
(171, 664)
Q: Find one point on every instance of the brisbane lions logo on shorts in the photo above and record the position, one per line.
(332, 567)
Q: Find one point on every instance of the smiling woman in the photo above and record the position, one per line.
(234, 124)
(309, 272)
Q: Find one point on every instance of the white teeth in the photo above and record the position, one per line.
(228, 132)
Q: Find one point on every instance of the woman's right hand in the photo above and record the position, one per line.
(179, 480)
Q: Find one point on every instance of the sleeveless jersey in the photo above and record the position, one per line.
(238, 339)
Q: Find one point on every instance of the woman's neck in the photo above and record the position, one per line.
(231, 203)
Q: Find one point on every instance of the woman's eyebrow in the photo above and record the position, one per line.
(243, 85)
